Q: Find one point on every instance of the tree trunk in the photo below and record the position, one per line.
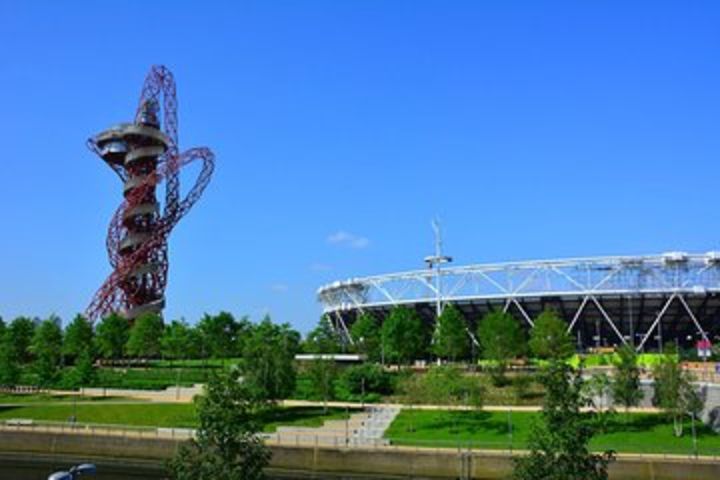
(677, 426)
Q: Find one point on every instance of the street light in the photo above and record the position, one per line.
(74, 472)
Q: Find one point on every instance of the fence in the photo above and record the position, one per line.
(124, 431)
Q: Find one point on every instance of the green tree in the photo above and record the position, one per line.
(364, 382)
(323, 338)
(83, 373)
(365, 332)
(226, 445)
(111, 335)
(559, 442)
(674, 392)
(323, 374)
(451, 339)
(78, 338)
(145, 335)
(626, 381)
(177, 341)
(549, 337)
(243, 327)
(46, 347)
(501, 339)
(267, 363)
(21, 331)
(219, 335)
(403, 335)
(598, 389)
(9, 362)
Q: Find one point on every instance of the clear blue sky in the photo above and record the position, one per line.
(533, 129)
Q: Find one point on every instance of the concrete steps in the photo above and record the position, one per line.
(362, 428)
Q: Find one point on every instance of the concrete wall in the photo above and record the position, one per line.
(302, 462)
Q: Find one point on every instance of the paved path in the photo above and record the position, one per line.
(400, 406)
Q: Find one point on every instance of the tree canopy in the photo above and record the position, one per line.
(322, 374)
(501, 339)
(267, 361)
(178, 341)
(9, 362)
(323, 338)
(21, 331)
(145, 336)
(78, 337)
(403, 335)
(674, 392)
(626, 381)
(549, 337)
(226, 445)
(451, 339)
(46, 347)
(366, 335)
(83, 373)
(219, 334)
(559, 443)
(111, 335)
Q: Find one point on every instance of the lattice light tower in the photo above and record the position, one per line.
(146, 157)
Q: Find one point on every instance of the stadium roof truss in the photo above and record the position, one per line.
(671, 279)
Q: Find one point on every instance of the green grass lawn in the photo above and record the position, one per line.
(180, 415)
(643, 433)
(146, 414)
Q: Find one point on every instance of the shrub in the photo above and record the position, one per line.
(443, 385)
(368, 380)
(521, 385)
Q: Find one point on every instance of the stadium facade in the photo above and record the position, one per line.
(644, 301)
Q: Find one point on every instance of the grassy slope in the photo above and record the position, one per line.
(162, 415)
(644, 433)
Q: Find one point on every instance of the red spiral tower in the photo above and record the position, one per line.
(146, 157)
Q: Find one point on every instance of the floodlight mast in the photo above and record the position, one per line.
(435, 262)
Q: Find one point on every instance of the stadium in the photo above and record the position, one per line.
(644, 301)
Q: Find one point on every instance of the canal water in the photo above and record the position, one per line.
(41, 469)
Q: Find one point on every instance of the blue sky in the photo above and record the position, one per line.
(532, 129)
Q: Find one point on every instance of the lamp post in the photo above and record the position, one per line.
(74, 472)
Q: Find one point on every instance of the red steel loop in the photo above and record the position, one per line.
(114, 295)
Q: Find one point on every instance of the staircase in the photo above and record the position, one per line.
(364, 428)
